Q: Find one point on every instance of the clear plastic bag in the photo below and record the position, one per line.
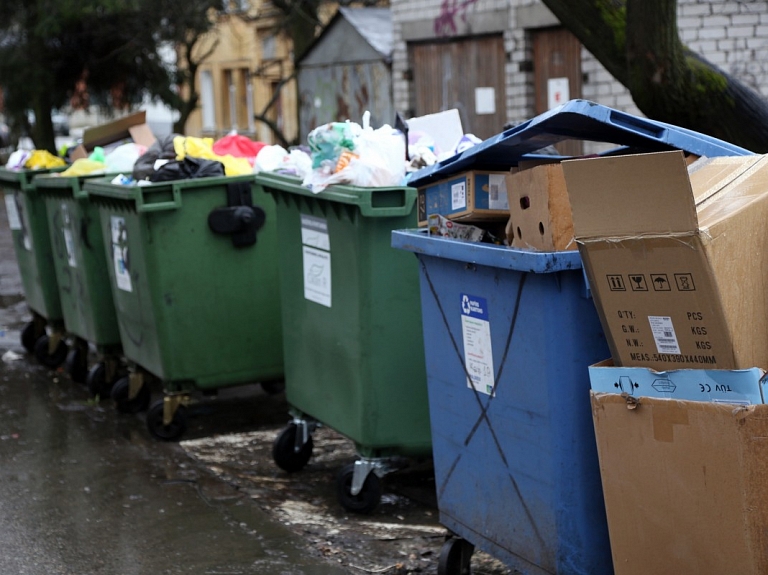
(371, 158)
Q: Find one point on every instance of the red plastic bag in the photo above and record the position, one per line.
(238, 146)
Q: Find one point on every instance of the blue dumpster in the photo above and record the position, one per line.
(516, 464)
(508, 337)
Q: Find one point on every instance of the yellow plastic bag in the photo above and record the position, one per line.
(84, 167)
(43, 160)
(203, 148)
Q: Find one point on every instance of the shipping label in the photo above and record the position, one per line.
(664, 334)
(120, 253)
(478, 351)
(497, 192)
(458, 196)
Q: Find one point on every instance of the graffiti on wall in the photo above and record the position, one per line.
(450, 10)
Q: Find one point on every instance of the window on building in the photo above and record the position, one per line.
(232, 6)
(207, 101)
(239, 98)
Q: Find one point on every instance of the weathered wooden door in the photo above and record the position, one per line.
(462, 73)
(557, 74)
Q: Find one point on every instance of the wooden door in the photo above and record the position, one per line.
(557, 65)
(464, 73)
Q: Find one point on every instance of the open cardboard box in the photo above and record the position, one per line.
(684, 464)
(677, 262)
(539, 208)
(132, 128)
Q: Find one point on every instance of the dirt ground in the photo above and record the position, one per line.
(403, 535)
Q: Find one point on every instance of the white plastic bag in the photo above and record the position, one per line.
(122, 158)
(378, 160)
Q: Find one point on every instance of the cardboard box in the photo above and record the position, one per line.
(684, 485)
(677, 263)
(466, 197)
(132, 128)
(539, 209)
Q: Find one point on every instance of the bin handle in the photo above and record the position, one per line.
(371, 211)
(144, 207)
(78, 192)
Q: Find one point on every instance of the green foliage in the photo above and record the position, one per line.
(613, 13)
(47, 47)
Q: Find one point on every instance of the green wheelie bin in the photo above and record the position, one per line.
(193, 270)
(32, 244)
(83, 280)
(354, 356)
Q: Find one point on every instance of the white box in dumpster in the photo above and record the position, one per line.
(677, 263)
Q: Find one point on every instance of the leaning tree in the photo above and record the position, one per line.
(638, 42)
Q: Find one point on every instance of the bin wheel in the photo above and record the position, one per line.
(96, 381)
(159, 430)
(51, 360)
(29, 336)
(455, 557)
(365, 501)
(273, 387)
(76, 364)
(120, 396)
(284, 450)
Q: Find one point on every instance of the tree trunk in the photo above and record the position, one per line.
(637, 41)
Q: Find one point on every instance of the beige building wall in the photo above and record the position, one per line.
(248, 66)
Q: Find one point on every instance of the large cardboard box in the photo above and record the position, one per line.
(472, 196)
(677, 263)
(539, 209)
(684, 485)
(131, 128)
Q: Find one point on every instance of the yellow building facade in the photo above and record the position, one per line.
(245, 76)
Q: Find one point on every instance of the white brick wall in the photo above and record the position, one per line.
(732, 34)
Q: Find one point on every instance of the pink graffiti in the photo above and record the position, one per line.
(445, 24)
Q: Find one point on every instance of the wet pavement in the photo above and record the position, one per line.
(85, 490)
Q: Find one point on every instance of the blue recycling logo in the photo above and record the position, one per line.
(474, 306)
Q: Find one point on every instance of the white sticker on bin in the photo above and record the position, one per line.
(120, 256)
(317, 275)
(664, 334)
(314, 232)
(66, 228)
(14, 221)
(478, 351)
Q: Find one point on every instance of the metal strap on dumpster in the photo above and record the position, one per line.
(241, 219)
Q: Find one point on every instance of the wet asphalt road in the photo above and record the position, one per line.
(86, 491)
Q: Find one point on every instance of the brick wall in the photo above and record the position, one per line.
(731, 34)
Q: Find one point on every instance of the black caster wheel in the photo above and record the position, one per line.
(273, 387)
(29, 336)
(284, 450)
(365, 501)
(76, 364)
(48, 359)
(455, 557)
(120, 396)
(96, 381)
(169, 432)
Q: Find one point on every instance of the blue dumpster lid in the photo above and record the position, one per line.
(575, 120)
(421, 243)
